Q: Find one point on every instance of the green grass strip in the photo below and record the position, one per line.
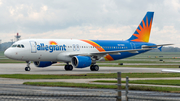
(64, 84)
(10, 61)
(84, 85)
(89, 76)
(155, 82)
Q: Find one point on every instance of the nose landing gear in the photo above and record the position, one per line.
(28, 68)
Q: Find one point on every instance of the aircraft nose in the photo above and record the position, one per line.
(7, 53)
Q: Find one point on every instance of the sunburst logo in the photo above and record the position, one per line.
(143, 31)
(52, 43)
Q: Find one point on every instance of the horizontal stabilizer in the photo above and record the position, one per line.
(154, 46)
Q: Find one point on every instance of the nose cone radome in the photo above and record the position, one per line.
(8, 53)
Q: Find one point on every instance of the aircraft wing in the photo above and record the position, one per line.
(110, 52)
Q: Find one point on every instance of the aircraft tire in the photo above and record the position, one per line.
(92, 67)
(96, 67)
(68, 67)
(27, 69)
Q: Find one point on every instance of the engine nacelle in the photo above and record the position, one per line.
(81, 61)
(43, 63)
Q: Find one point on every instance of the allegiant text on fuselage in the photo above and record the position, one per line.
(51, 48)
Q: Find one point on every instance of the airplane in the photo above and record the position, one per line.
(82, 53)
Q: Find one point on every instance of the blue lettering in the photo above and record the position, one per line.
(38, 47)
(51, 48)
(60, 47)
(64, 47)
(54, 47)
(46, 48)
(57, 47)
(42, 46)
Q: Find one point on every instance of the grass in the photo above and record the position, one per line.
(90, 76)
(1, 53)
(84, 85)
(64, 84)
(155, 82)
(109, 81)
(10, 61)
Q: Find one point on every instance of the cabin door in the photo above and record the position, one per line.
(133, 45)
(33, 46)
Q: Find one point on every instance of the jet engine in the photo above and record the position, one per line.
(43, 63)
(81, 61)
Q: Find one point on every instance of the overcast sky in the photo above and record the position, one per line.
(88, 19)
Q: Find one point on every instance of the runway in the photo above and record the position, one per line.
(18, 68)
(15, 86)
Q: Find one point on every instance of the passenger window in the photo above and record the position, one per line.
(22, 46)
(18, 46)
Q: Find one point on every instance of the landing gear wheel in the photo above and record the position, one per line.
(94, 68)
(28, 64)
(27, 69)
(68, 67)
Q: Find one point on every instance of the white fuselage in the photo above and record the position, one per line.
(30, 51)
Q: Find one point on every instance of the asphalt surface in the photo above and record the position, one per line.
(10, 88)
(18, 68)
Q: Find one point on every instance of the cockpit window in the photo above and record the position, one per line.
(19, 46)
(22, 46)
(14, 45)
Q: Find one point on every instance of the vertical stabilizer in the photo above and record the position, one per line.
(142, 33)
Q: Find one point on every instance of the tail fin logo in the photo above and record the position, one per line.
(142, 33)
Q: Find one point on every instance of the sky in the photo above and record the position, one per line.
(88, 19)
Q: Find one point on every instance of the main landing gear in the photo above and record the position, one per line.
(68, 67)
(94, 67)
(28, 68)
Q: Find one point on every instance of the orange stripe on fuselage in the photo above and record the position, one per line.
(100, 49)
(109, 57)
